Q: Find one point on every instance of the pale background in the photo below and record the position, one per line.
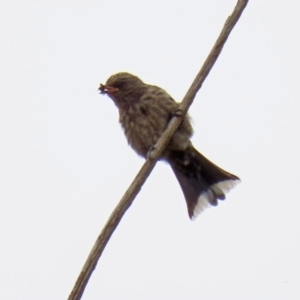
(65, 162)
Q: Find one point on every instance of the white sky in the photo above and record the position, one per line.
(65, 163)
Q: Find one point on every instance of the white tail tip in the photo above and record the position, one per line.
(205, 198)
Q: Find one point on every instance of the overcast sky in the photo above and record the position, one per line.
(65, 163)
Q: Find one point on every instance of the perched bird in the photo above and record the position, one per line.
(144, 113)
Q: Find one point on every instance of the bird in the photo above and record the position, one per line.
(144, 113)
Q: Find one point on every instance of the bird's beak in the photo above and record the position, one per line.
(106, 89)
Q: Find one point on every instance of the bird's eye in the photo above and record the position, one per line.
(119, 84)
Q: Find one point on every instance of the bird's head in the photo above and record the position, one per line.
(123, 88)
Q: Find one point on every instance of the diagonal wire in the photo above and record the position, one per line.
(148, 166)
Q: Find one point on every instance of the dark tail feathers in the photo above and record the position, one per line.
(202, 182)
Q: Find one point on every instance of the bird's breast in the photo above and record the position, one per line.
(142, 126)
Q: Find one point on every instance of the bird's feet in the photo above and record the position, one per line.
(150, 152)
(178, 113)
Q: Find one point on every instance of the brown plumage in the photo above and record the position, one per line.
(144, 113)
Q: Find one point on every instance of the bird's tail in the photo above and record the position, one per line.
(202, 182)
